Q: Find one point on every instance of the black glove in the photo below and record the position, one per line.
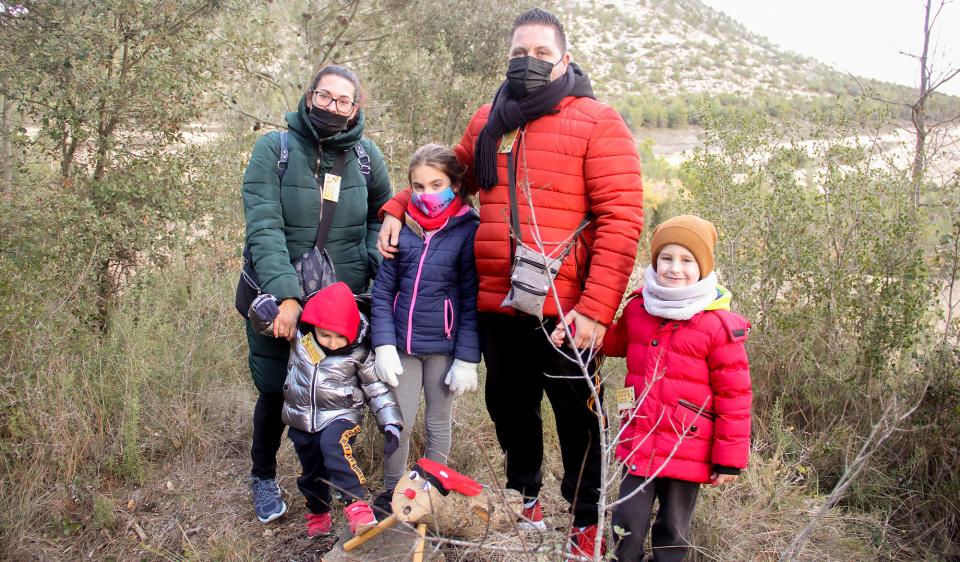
(391, 439)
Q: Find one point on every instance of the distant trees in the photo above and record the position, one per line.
(426, 65)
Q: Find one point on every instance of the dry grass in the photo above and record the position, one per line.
(758, 515)
(138, 449)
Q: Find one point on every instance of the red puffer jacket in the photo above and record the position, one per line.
(581, 159)
(687, 365)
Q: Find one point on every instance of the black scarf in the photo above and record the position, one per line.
(509, 113)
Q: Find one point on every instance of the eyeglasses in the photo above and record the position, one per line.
(322, 99)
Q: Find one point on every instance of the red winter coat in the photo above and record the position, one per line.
(687, 365)
(578, 160)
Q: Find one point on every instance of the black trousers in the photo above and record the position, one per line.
(521, 364)
(671, 529)
(267, 433)
(326, 458)
(268, 367)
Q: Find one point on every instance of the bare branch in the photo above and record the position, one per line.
(236, 107)
(942, 81)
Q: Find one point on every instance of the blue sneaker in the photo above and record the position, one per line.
(267, 499)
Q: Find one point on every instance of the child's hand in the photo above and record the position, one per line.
(391, 439)
(266, 307)
(559, 335)
(262, 313)
(387, 364)
(462, 377)
(717, 479)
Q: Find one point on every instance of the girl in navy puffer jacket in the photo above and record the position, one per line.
(425, 307)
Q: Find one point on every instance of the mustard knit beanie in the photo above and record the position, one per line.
(693, 233)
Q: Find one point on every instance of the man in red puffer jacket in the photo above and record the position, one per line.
(576, 160)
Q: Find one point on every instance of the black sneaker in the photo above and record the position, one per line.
(267, 499)
(383, 505)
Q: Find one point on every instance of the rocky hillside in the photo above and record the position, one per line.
(659, 61)
(684, 46)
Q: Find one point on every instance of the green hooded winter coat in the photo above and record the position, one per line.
(282, 221)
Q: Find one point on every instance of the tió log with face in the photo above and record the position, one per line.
(419, 498)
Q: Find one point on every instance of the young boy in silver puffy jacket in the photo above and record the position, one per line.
(330, 374)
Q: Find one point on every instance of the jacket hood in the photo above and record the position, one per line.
(582, 88)
(334, 308)
(299, 124)
(724, 296)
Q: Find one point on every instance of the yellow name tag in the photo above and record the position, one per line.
(506, 143)
(314, 353)
(624, 397)
(331, 187)
(414, 226)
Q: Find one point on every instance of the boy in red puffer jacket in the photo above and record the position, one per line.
(688, 421)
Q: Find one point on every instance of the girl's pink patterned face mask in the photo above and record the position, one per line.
(432, 204)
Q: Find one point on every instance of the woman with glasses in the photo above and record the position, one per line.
(282, 216)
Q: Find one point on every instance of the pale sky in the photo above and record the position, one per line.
(863, 37)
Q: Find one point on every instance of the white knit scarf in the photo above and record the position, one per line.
(677, 303)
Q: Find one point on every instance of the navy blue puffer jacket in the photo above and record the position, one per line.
(425, 299)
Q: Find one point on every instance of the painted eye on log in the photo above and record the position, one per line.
(414, 475)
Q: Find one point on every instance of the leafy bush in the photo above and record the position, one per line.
(828, 256)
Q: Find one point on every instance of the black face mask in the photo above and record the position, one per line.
(528, 74)
(327, 123)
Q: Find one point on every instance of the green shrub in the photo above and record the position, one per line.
(829, 258)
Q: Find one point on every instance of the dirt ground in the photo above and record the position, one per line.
(199, 508)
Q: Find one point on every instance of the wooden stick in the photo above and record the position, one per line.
(421, 543)
(369, 533)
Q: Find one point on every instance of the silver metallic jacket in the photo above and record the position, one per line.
(336, 387)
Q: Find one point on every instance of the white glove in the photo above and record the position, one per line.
(387, 364)
(462, 377)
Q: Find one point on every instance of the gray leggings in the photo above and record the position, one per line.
(426, 373)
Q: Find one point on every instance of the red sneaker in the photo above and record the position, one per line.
(359, 516)
(532, 516)
(318, 524)
(583, 541)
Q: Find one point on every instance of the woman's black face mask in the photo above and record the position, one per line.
(327, 123)
(528, 74)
